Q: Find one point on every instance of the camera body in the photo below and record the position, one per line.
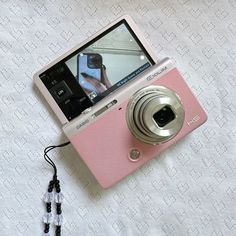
(146, 107)
(135, 123)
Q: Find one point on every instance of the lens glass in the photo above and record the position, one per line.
(164, 116)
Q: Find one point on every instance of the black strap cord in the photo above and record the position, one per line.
(49, 160)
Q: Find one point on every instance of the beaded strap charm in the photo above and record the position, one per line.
(50, 196)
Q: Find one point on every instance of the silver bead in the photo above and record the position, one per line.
(47, 218)
(58, 220)
(58, 197)
(48, 197)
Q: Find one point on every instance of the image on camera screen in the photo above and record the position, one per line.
(96, 69)
(108, 63)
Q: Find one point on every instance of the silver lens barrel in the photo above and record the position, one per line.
(155, 114)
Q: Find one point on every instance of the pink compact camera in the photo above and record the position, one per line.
(137, 106)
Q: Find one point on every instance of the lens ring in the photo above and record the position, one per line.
(143, 112)
(143, 134)
(130, 118)
(144, 104)
(138, 114)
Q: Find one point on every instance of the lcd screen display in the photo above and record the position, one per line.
(95, 70)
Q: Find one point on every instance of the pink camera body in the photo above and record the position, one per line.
(104, 140)
(146, 108)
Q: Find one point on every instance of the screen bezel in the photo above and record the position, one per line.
(131, 26)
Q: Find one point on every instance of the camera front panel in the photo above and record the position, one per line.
(118, 152)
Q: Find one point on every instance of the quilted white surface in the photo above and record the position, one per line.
(188, 190)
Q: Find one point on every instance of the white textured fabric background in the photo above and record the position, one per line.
(188, 190)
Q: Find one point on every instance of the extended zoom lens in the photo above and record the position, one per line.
(155, 114)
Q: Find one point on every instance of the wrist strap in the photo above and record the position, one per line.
(53, 194)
